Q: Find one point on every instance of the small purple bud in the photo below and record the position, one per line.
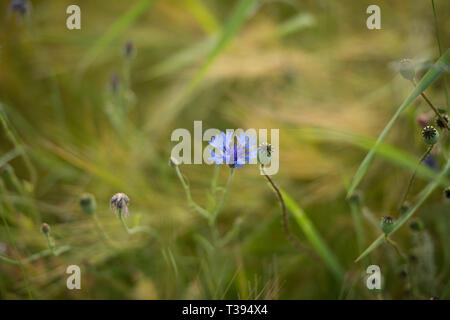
(423, 120)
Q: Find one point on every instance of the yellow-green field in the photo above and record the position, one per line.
(79, 116)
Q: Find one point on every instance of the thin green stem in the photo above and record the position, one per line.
(440, 51)
(292, 238)
(50, 243)
(37, 256)
(413, 176)
(223, 198)
(355, 209)
(191, 202)
(135, 229)
(101, 231)
(397, 249)
(435, 110)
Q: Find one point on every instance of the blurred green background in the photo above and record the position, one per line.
(89, 119)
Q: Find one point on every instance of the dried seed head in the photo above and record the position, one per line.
(265, 151)
(430, 135)
(439, 122)
(174, 162)
(45, 228)
(119, 204)
(387, 224)
(407, 69)
(88, 203)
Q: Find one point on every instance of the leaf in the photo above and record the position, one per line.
(434, 73)
(314, 237)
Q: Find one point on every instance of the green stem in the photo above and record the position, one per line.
(191, 202)
(224, 196)
(435, 110)
(135, 229)
(51, 246)
(397, 249)
(101, 230)
(292, 238)
(37, 256)
(411, 180)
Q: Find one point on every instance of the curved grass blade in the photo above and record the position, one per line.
(130, 16)
(390, 153)
(314, 237)
(234, 23)
(442, 65)
(406, 216)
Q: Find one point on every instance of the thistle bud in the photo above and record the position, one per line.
(407, 69)
(174, 162)
(441, 124)
(416, 225)
(430, 135)
(88, 203)
(387, 224)
(45, 228)
(20, 7)
(265, 153)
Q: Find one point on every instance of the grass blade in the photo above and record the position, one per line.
(405, 217)
(314, 237)
(114, 31)
(434, 73)
(169, 112)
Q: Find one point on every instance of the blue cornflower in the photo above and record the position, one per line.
(234, 150)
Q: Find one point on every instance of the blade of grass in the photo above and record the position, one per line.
(386, 151)
(436, 25)
(128, 18)
(408, 214)
(203, 15)
(314, 237)
(434, 73)
(234, 23)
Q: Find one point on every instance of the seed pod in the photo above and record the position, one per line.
(439, 122)
(407, 69)
(387, 224)
(88, 203)
(430, 135)
(45, 228)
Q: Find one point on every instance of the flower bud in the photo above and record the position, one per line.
(430, 135)
(407, 69)
(88, 203)
(45, 228)
(387, 224)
